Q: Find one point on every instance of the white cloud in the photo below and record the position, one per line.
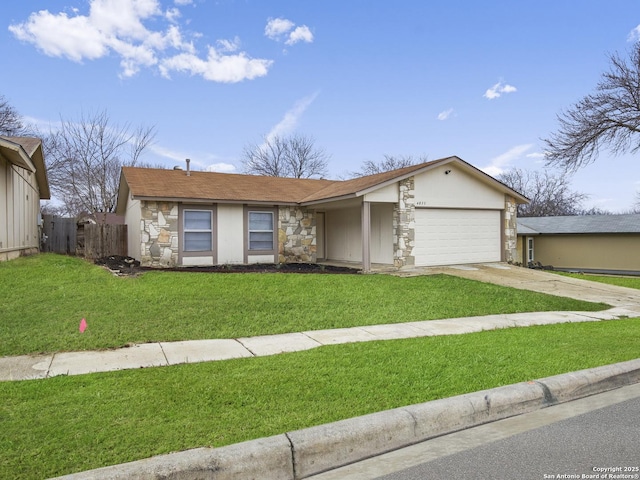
(221, 167)
(300, 34)
(216, 67)
(168, 153)
(291, 118)
(229, 45)
(276, 27)
(498, 89)
(180, 159)
(117, 26)
(634, 35)
(445, 114)
(172, 14)
(280, 29)
(500, 163)
(537, 157)
(61, 36)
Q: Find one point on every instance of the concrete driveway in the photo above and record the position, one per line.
(538, 281)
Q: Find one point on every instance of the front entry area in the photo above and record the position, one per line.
(343, 234)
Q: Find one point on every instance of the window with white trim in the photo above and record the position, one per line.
(198, 230)
(530, 249)
(261, 227)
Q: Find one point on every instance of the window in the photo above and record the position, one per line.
(198, 231)
(261, 230)
(530, 249)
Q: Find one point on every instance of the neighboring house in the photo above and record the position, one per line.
(435, 213)
(23, 183)
(585, 243)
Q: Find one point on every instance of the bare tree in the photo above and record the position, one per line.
(549, 194)
(84, 159)
(305, 160)
(10, 120)
(390, 162)
(636, 205)
(610, 116)
(295, 157)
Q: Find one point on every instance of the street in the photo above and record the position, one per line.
(594, 437)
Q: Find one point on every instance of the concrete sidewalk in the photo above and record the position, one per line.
(29, 367)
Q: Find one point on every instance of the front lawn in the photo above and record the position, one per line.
(629, 282)
(46, 296)
(67, 424)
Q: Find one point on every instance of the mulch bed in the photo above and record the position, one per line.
(129, 266)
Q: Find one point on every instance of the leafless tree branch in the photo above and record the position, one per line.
(609, 117)
(295, 157)
(549, 194)
(390, 162)
(84, 159)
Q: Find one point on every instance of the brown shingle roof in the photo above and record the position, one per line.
(347, 187)
(175, 184)
(211, 186)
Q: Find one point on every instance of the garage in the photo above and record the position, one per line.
(456, 236)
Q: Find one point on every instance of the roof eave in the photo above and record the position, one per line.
(15, 154)
(328, 200)
(41, 173)
(208, 201)
(123, 194)
(399, 178)
(520, 199)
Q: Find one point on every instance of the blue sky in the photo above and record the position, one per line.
(480, 80)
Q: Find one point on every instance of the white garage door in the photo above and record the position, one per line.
(450, 237)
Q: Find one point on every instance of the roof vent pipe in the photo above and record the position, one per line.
(188, 170)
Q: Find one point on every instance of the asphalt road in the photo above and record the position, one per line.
(595, 437)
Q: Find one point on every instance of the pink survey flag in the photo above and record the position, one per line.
(83, 325)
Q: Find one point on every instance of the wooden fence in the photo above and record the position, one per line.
(104, 240)
(60, 234)
(67, 236)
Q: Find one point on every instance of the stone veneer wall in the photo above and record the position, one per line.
(404, 225)
(159, 234)
(510, 229)
(296, 235)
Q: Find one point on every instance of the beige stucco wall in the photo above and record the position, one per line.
(602, 252)
(519, 258)
(20, 200)
(382, 233)
(457, 189)
(388, 194)
(132, 218)
(344, 234)
(231, 236)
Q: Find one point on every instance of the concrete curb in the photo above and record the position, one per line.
(302, 453)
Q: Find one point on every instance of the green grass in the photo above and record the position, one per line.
(629, 282)
(45, 297)
(67, 424)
